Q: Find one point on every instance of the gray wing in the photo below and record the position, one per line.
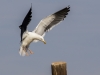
(49, 22)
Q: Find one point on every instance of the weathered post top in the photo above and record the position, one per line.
(59, 68)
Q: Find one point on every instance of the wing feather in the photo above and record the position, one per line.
(25, 22)
(50, 21)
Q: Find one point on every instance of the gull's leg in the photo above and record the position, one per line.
(25, 51)
(31, 52)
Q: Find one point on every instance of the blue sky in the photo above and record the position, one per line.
(76, 40)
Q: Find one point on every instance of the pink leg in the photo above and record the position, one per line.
(31, 52)
(25, 51)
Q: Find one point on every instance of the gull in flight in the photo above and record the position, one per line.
(38, 33)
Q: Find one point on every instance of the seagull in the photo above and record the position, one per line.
(38, 33)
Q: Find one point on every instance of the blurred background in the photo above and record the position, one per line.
(76, 40)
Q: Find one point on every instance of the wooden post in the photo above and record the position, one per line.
(59, 68)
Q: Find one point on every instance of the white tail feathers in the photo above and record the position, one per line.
(22, 52)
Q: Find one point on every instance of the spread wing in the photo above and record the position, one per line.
(49, 22)
(25, 22)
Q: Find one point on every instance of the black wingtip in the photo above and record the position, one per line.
(20, 26)
(31, 6)
(26, 21)
(68, 7)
